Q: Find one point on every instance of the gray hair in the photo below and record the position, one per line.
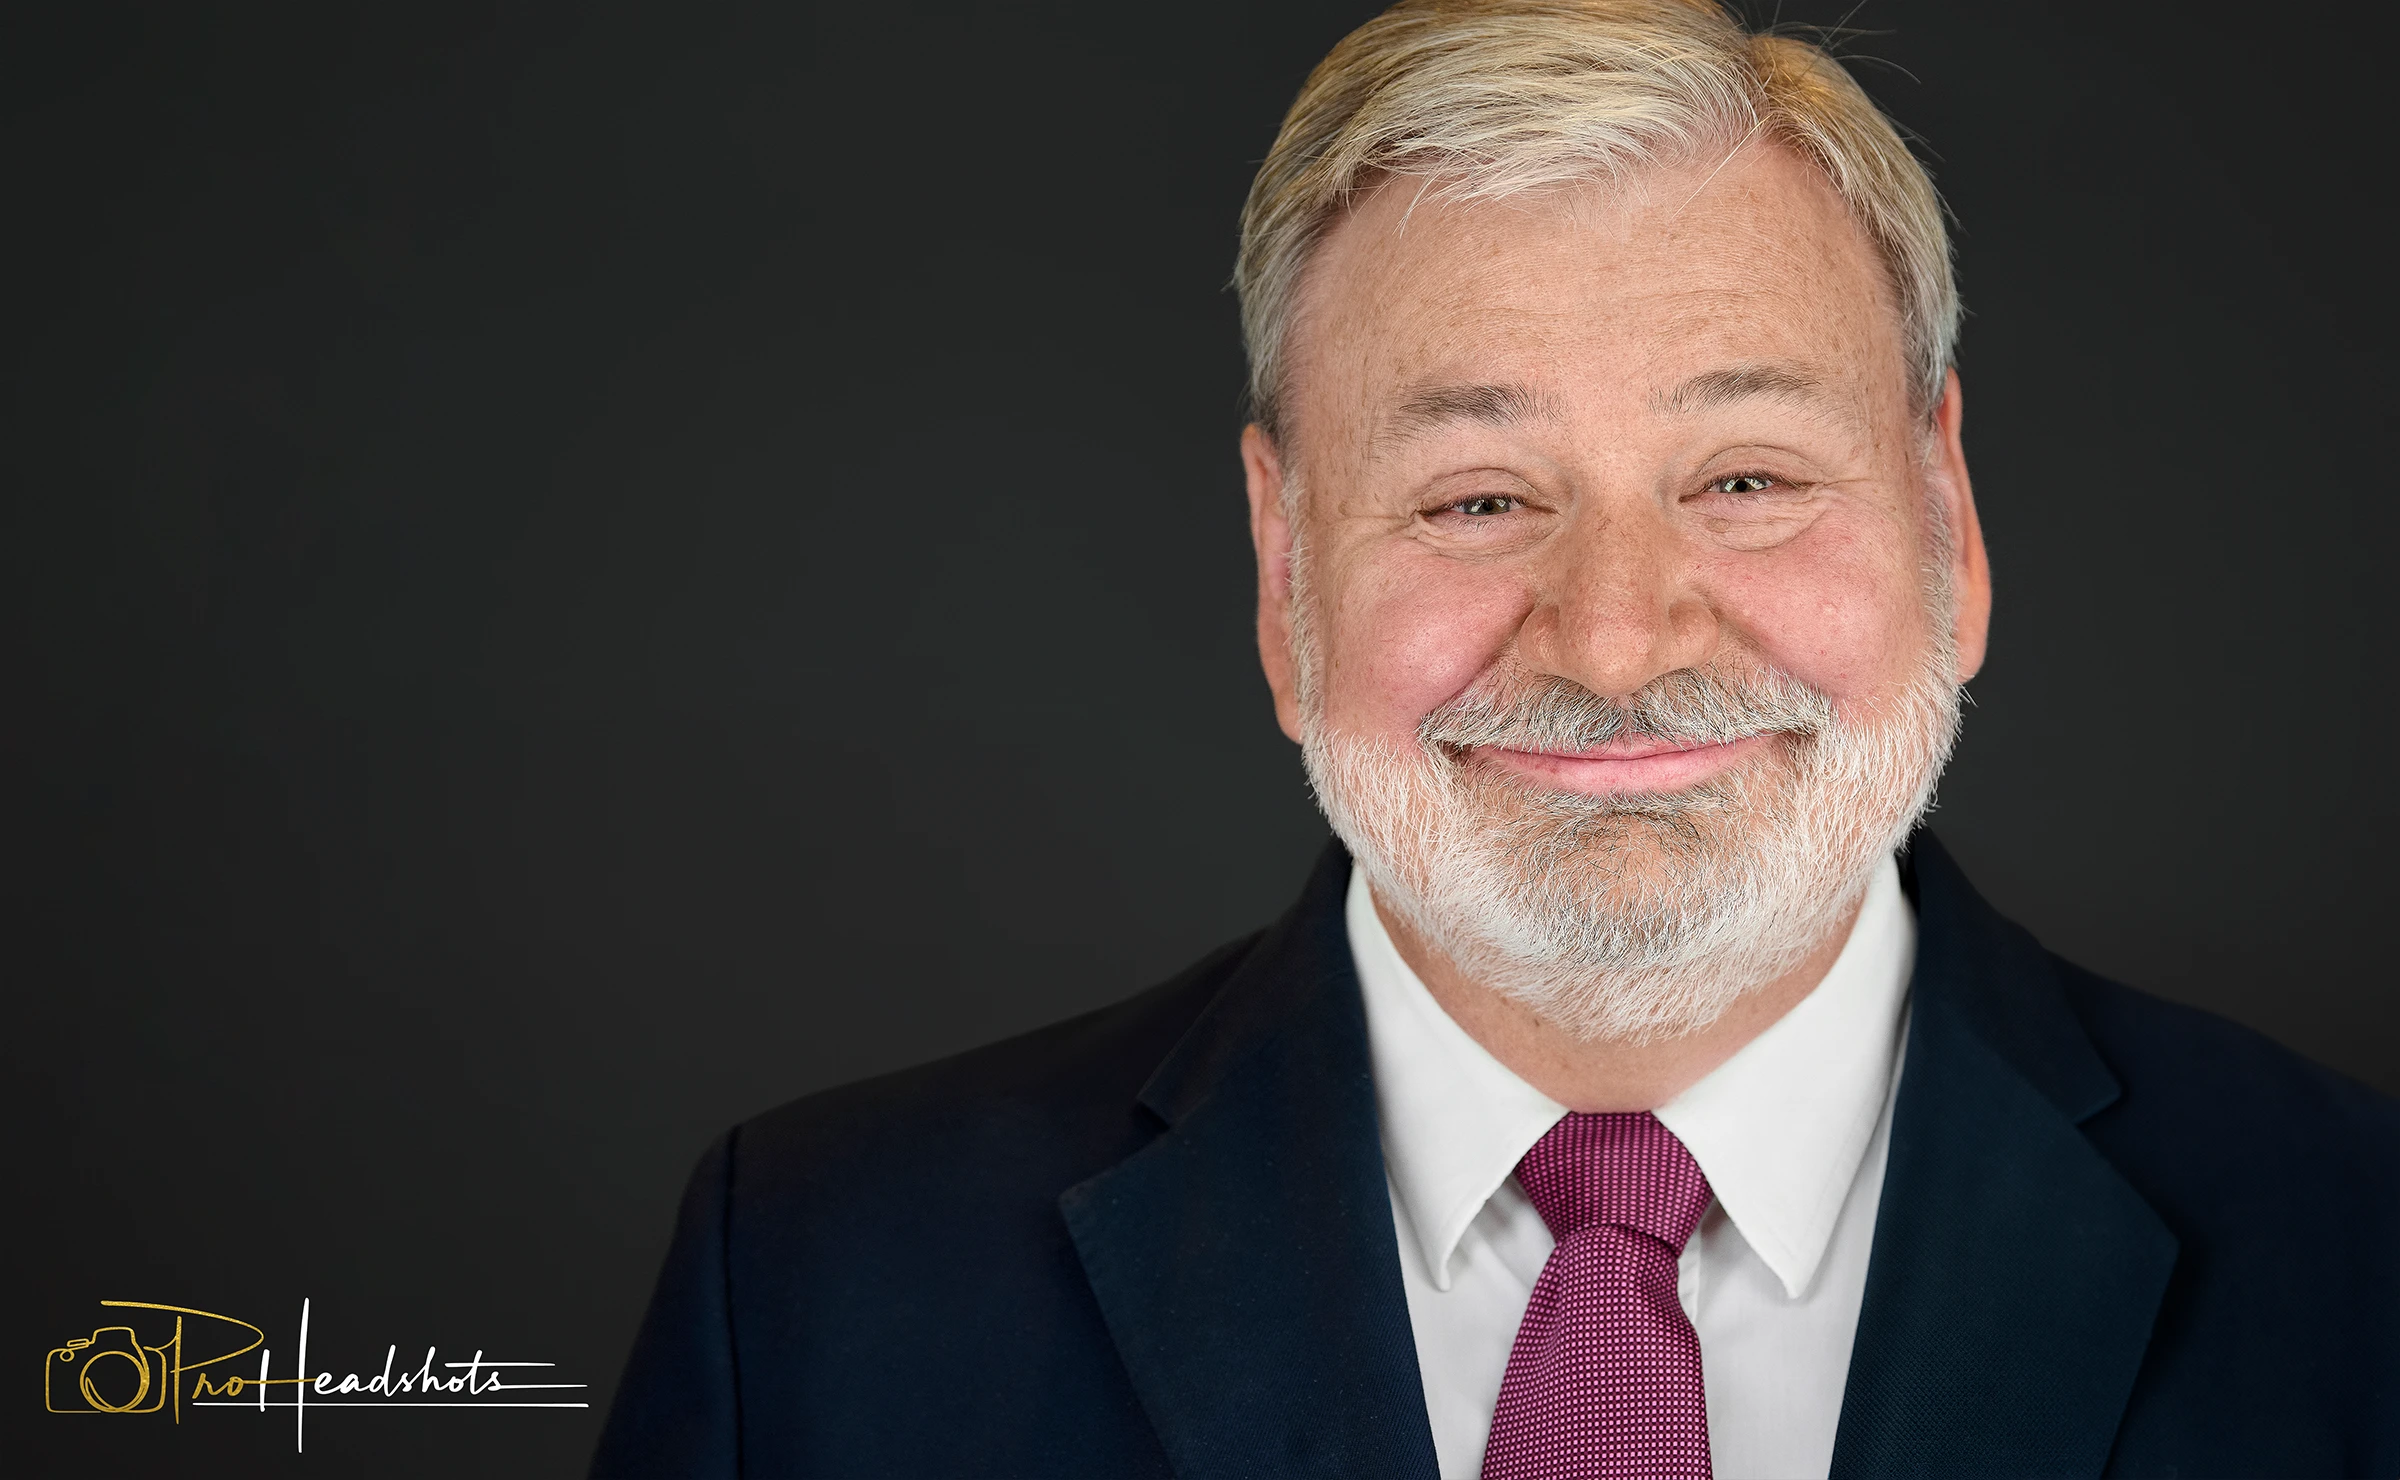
(1485, 99)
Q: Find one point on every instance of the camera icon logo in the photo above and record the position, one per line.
(109, 1371)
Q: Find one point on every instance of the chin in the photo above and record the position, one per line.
(1632, 916)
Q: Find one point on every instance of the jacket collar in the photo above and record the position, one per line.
(2015, 1274)
(1245, 1260)
(1248, 1269)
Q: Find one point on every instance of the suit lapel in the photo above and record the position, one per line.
(1245, 1259)
(1246, 1264)
(2015, 1274)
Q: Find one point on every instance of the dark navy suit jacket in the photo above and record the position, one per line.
(2116, 1237)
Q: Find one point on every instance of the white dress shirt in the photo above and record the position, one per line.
(1791, 1132)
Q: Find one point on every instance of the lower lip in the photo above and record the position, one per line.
(1605, 775)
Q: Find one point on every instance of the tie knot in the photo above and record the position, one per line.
(1628, 1170)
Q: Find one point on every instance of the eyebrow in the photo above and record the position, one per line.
(1714, 388)
(1429, 408)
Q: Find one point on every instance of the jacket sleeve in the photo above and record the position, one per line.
(677, 1412)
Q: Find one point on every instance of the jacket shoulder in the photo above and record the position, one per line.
(2280, 1181)
(1067, 1092)
(902, 1235)
(2243, 1145)
(2204, 1075)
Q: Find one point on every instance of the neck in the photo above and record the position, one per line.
(1606, 1074)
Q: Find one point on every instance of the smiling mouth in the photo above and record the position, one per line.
(1631, 763)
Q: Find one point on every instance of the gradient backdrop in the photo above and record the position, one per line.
(576, 572)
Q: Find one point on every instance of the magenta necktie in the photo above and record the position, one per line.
(1604, 1380)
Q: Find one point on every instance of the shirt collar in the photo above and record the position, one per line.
(1779, 1129)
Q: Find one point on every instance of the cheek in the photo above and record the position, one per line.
(1405, 631)
(1843, 613)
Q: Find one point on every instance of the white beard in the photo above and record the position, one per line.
(1633, 917)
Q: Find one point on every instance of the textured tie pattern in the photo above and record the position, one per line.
(1604, 1380)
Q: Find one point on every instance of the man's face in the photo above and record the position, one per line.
(1656, 449)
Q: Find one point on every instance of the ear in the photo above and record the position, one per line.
(1970, 570)
(1271, 541)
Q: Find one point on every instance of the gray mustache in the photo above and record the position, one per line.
(1692, 706)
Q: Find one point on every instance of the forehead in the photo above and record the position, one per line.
(1595, 295)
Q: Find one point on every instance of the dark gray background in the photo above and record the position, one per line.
(577, 572)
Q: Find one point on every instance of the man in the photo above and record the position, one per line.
(1634, 1092)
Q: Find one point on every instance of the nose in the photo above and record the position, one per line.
(1618, 607)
